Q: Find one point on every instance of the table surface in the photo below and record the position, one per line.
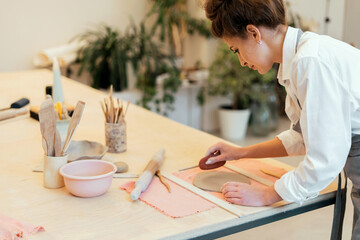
(112, 215)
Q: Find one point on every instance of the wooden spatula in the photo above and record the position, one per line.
(57, 144)
(74, 122)
(48, 124)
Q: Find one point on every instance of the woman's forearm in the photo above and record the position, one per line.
(271, 148)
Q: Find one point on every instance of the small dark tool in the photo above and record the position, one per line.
(204, 166)
(18, 104)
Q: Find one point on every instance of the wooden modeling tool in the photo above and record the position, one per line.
(147, 175)
(57, 144)
(113, 110)
(13, 112)
(271, 173)
(74, 122)
(163, 181)
(47, 120)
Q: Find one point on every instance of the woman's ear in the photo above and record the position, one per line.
(254, 32)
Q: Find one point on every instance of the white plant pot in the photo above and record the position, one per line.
(233, 123)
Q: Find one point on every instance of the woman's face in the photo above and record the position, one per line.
(252, 52)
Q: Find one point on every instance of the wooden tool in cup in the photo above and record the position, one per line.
(74, 122)
(48, 126)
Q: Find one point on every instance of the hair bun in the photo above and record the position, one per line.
(211, 8)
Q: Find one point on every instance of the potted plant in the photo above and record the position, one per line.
(228, 78)
(149, 60)
(173, 23)
(104, 57)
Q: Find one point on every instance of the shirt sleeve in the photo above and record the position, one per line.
(326, 130)
(293, 142)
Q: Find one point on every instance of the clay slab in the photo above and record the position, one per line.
(213, 181)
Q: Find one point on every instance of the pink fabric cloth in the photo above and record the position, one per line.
(181, 202)
(12, 229)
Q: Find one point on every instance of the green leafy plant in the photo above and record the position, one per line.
(173, 23)
(151, 52)
(104, 57)
(150, 60)
(228, 78)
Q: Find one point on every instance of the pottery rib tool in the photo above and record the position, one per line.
(204, 166)
(220, 203)
(47, 120)
(249, 175)
(74, 122)
(44, 145)
(145, 179)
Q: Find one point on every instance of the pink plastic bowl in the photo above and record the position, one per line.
(88, 178)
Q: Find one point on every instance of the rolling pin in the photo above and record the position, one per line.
(11, 113)
(147, 175)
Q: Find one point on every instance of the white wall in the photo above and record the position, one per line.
(352, 22)
(317, 9)
(29, 26)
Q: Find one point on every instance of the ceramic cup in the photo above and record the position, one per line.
(115, 137)
(52, 177)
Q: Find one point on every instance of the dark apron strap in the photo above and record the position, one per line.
(297, 126)
(339, 210)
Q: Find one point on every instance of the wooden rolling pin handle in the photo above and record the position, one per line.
(11, 113)
(147, 175)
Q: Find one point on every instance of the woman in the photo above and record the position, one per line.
(322, 78)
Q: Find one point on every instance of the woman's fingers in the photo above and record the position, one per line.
(245, 194)
(229, 186)
(221, 157)
(214, 148)
(238, 201)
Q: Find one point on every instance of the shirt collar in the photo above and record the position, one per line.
(288, 54)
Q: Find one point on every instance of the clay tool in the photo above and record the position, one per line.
(11, 113)
(204, 166)
(163, 181)
(220, 203)
(187, 168)
(249, 175)
(74, 122)
(113, 109)
(57, 144)
(18, 104)
(125, 175)
(44, 145)
(145, 179)
(47, 120)
(127, 106)
(274, 174)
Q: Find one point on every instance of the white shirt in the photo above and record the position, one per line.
(323, 76)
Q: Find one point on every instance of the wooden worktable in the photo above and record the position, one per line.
(112, 215)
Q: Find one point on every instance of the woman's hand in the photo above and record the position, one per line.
(227, 152)
(248, 195)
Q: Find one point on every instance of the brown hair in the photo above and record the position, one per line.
(230, 17)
